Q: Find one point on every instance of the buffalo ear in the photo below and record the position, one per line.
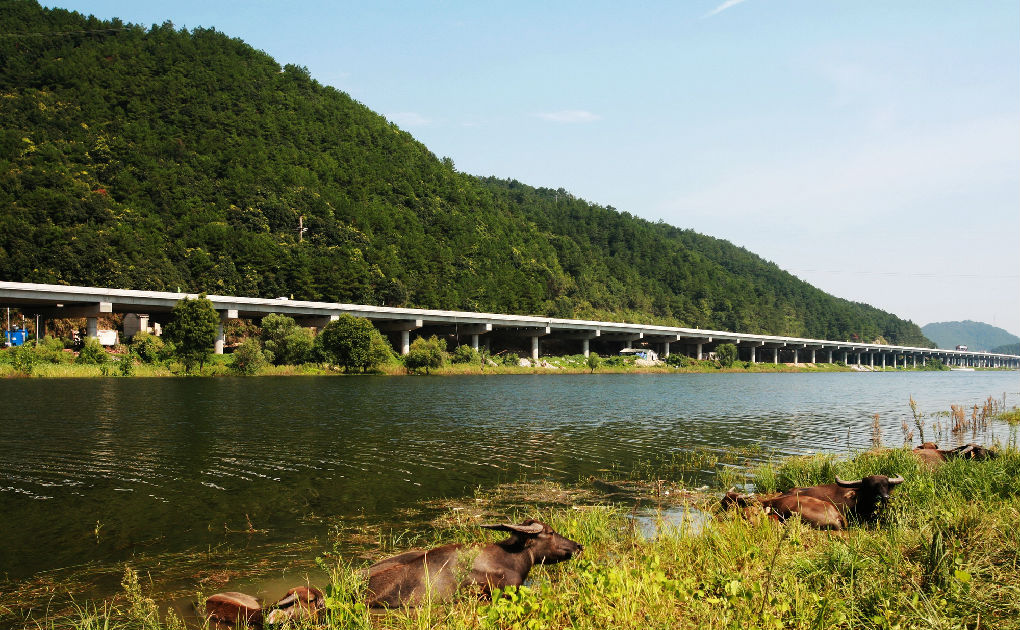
(895, 481)
(848, 484)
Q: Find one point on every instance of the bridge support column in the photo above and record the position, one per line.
(813, 355)
(474, 342)
(858, 358)
(534, 348)
(230, 313)
(871, 360)
(753, 360)
(830, 356)
(700, 357)
(665, 349)
(92, 326)
(914, 357)
(795, 358)
(775, 356)
(404, 327)
(883, 360)
(585, 348)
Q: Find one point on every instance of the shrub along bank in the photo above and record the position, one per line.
(945, 554)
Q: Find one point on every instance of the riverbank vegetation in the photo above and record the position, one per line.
(944, 554)
(150, 356)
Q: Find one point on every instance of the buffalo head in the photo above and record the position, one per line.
(876, 487)
(544, 544)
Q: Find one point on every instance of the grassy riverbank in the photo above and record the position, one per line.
(221, 365)
(945, 555)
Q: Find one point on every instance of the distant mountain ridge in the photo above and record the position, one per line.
(977, 336)
(161, 159)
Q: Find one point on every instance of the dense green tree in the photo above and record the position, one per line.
(92, 353)
(284, 341)
(726, 353)
(594, 361)
(192, 331)
(347, 342)
(248, 358)
(148, 347)
(426, 354)
(465, 354)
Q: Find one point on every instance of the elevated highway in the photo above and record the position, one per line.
(51, 301)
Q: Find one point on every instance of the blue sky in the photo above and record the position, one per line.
(871, 148)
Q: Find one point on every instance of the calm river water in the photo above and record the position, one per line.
(159, 465)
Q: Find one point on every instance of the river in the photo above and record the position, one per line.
(96, 472)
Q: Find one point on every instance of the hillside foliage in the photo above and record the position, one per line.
(163, 159)
(975, 335)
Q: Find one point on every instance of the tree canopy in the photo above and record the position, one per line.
(161, 158)
(192, 331)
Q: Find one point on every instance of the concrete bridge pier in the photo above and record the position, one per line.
(754, 345)
(230, 313)
(830, 356)
(871, 360)
(775, 356)
(883, 360)
(404, 327)
(813, 355)
(476, 331)
(534, 334)
(92, 326)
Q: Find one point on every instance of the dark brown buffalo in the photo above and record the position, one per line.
(930, 453)
(417, 576)
(858, 500)
(815, 512)
(233, 607)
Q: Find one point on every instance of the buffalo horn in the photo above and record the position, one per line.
(895, 480)
(848, 484)
(533, 528)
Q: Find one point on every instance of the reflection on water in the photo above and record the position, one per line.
(100, 469)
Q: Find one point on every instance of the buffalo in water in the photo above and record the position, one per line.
(930, 453)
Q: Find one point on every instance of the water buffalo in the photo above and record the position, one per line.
(815, 512)
(233, 607)
(859, 500)
(930, 453)
(417, 576)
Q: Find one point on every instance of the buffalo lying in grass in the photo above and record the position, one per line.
(415, 577)
(816, 512)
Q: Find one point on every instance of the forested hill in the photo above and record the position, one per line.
(156, 158)
(975, 335)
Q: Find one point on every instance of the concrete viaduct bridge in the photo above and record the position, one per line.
(51, 301)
